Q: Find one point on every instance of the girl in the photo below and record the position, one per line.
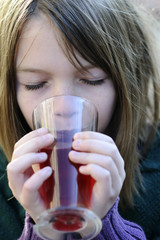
(99, 50)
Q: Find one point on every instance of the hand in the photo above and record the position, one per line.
(104, 163)
(23, 181)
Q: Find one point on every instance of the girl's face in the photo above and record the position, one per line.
(43, 71)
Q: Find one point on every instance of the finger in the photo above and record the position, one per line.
(21, 164)
(97, 159)
(105, 183)
(30, 135)
(104, 193)
(100, 147)
(93, 135)
(101, 174)
(21, 169)
(34, 145)
(30, 193)
(36, 181)
(94, 145)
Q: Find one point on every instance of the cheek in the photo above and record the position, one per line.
(27, 113)
(27, 102)
(26, 108)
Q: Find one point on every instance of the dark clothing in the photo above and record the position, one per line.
(146, 211)
(11, 213)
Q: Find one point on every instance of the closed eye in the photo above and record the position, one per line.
(35, 86)
(93, 82)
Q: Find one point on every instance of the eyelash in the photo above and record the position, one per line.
(87, 82)
(35, 87)
(92, 83)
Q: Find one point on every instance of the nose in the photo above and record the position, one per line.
(67, 111)
(66, 106)
(63, 87)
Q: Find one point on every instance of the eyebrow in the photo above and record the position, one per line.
(37, 70)
(34, 70)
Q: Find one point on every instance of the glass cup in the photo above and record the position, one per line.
(66, 193)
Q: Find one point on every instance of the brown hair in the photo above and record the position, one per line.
(109, 34)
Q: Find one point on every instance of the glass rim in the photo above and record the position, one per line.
(70, 96)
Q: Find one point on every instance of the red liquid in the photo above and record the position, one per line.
(73, 189)
(47, 188)
(85, 187)
(68, 222)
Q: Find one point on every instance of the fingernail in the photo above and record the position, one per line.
(82, 169)
(77, 135)
(74, 154)
(46, 171)
(49, 136)
(42, 130)
(43, 156)
(77, 143)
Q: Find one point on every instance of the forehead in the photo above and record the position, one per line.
(41, 41)
(36, 31)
